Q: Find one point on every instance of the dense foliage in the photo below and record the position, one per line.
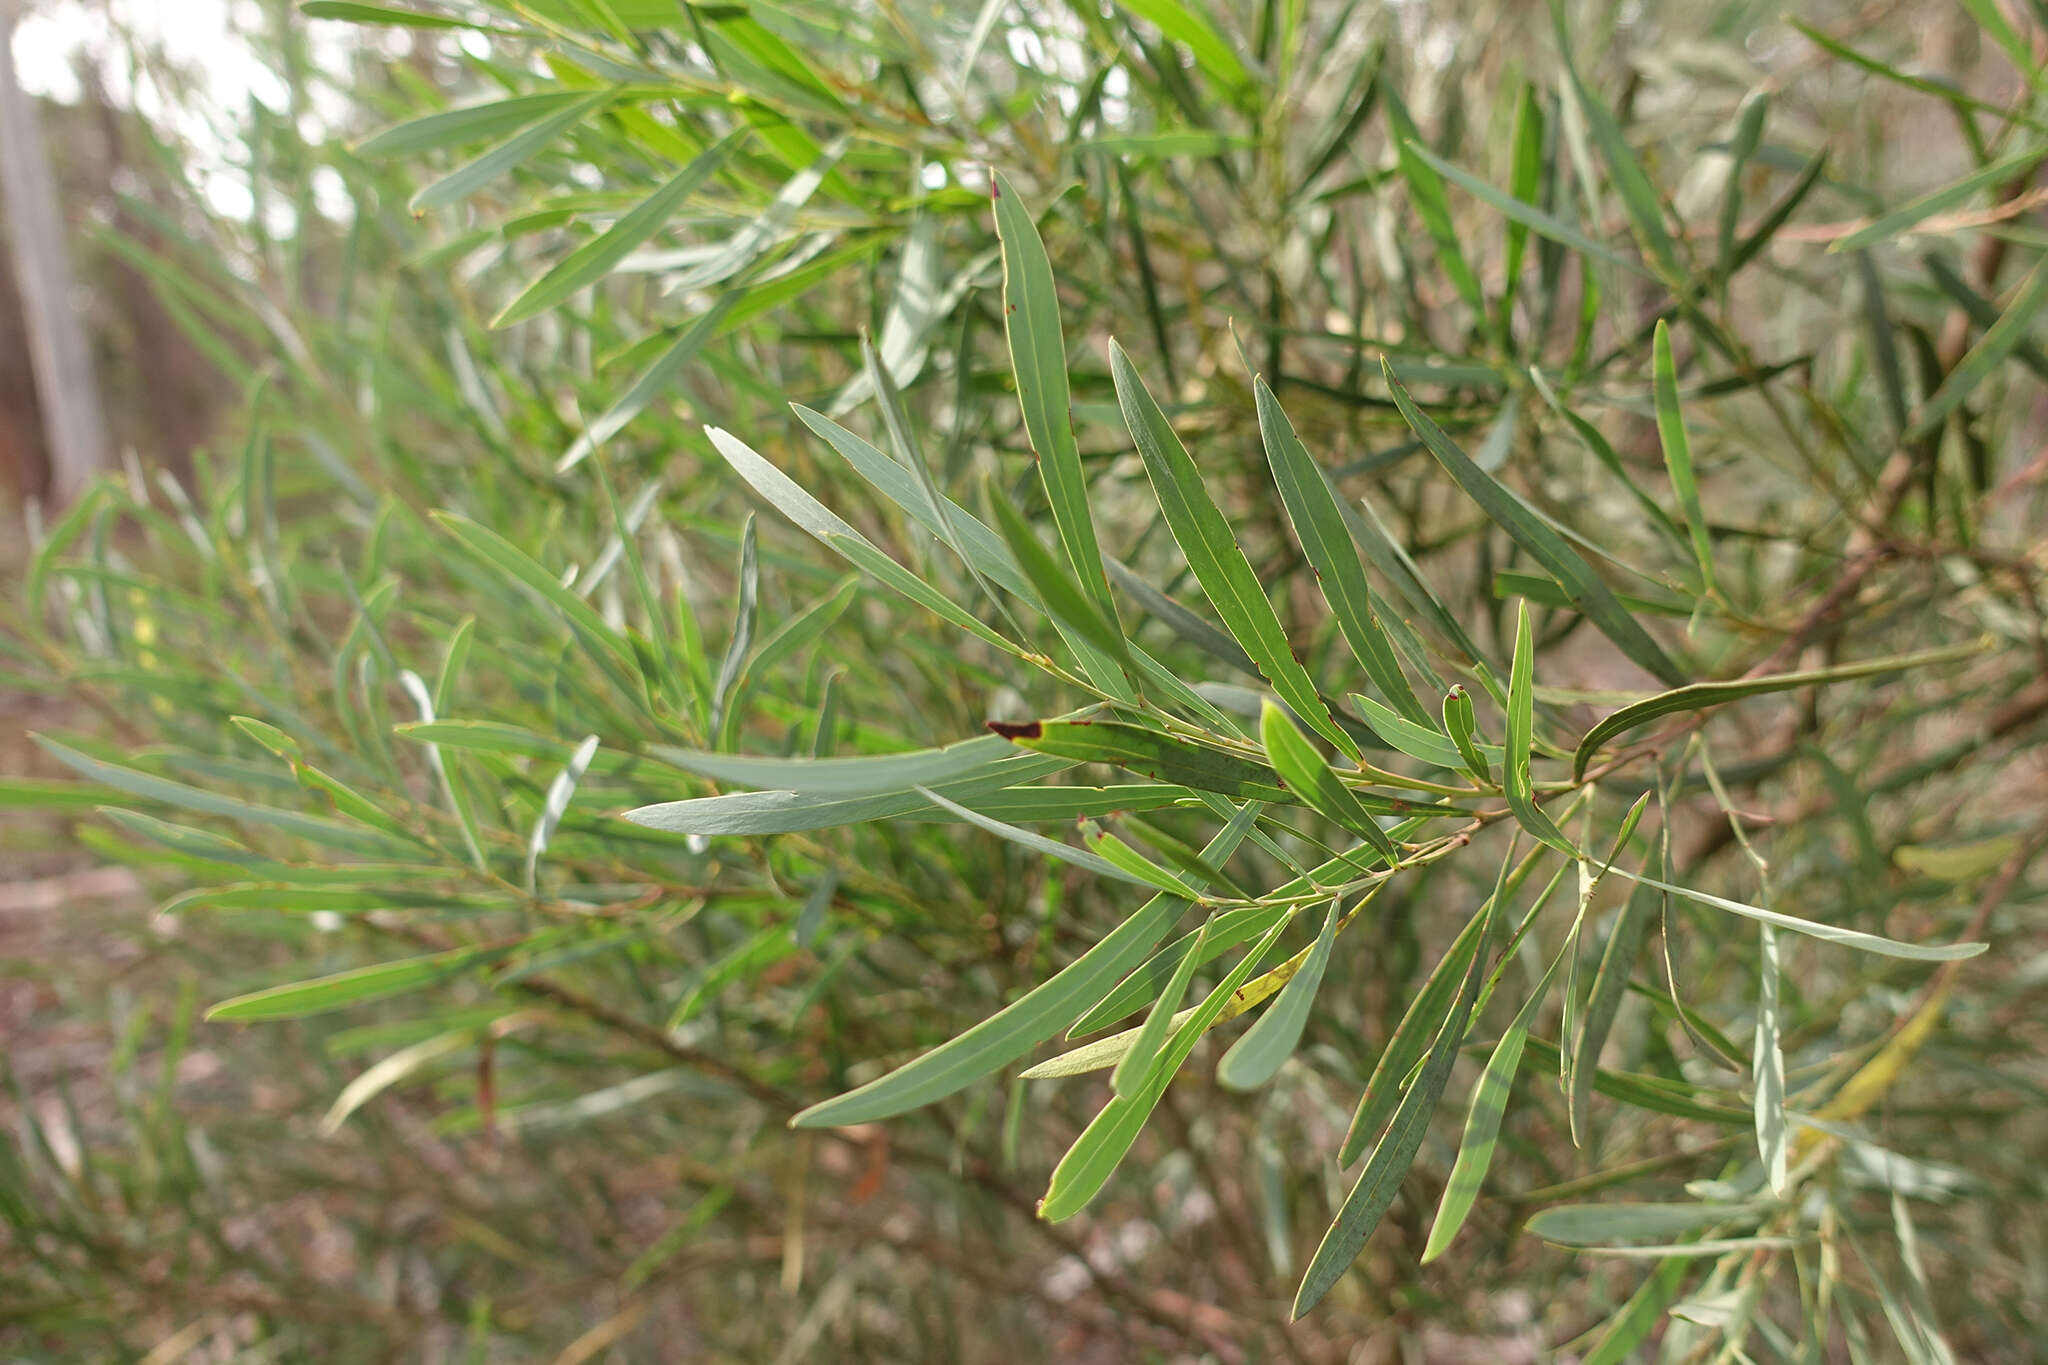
(1500, 554)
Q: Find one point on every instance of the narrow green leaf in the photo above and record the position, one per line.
(597, 258)
(1678, 454)
(1013, 1031)
(1902, 219)
(1416, 741)
(1194, 629)
(1377, 544)
(1848, 938)
(470, 123)
(1213, 553)
(812, 517)
(910, 453)
(740, 40)
(510, 154)
(982, 548)
(516, 565)
(1603, 450)
(1991, 351)
(1483, 1120)
(651, 383)
(358, 986)
(1255, 1058)
(1380, 1181)
(784, 812)
(987, 553)
(1426, 194)
(753, 954)
(1037, 843)
(1038, 359)
(1654, 1094)
(1539, 221)
(1638, 195)
(1319, 525)
(1632, 1325)
(1700, 696)
(1955, 98)
(1182, 23)
(496, 737)
(786, 641)
(354, 13)
(1088, 1164)
(1184, 856)
(1588, 1225)
(1524, 184)
(1025, 805)
(150, 787)
(1315, 782)
(1603, 1000)
(1421, 1022)
(1981, 310)
(1749, 131)
(1779, 213)
(1148, 752)
(56, 541)
(1134, 1068)
(1516, 782)
(1111, 849)
(1461, 723)
(1070, 609)
(1231, 928)
(763, 230)
(51, 794)
(1589, 594)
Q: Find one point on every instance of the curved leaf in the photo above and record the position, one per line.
(1255, 1058)
(1589, 594)
(1700, 696)
(1213, 553)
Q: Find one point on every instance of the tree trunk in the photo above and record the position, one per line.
(65, 383)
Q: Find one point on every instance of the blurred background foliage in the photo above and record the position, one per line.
(414, 421)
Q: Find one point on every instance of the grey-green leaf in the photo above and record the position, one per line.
(1589, 594)
(1135, 1066)
(1515, 777)
(1830, 933)
(1483, 1119)
(1038, 358)
(1419, 1024)
(1603, 1001)
(1700, 696)
(1319, 526)
(1013, 1031)
(1213, 553)
(1088, 1164)
(596, 258)
(1315, 782)
(1678, 453)
(1255, 1058)
(1381, 1179)
(510, 154)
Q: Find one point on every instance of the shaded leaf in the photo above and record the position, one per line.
(1588, 593)
(1213, 553)
(1700, 696)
